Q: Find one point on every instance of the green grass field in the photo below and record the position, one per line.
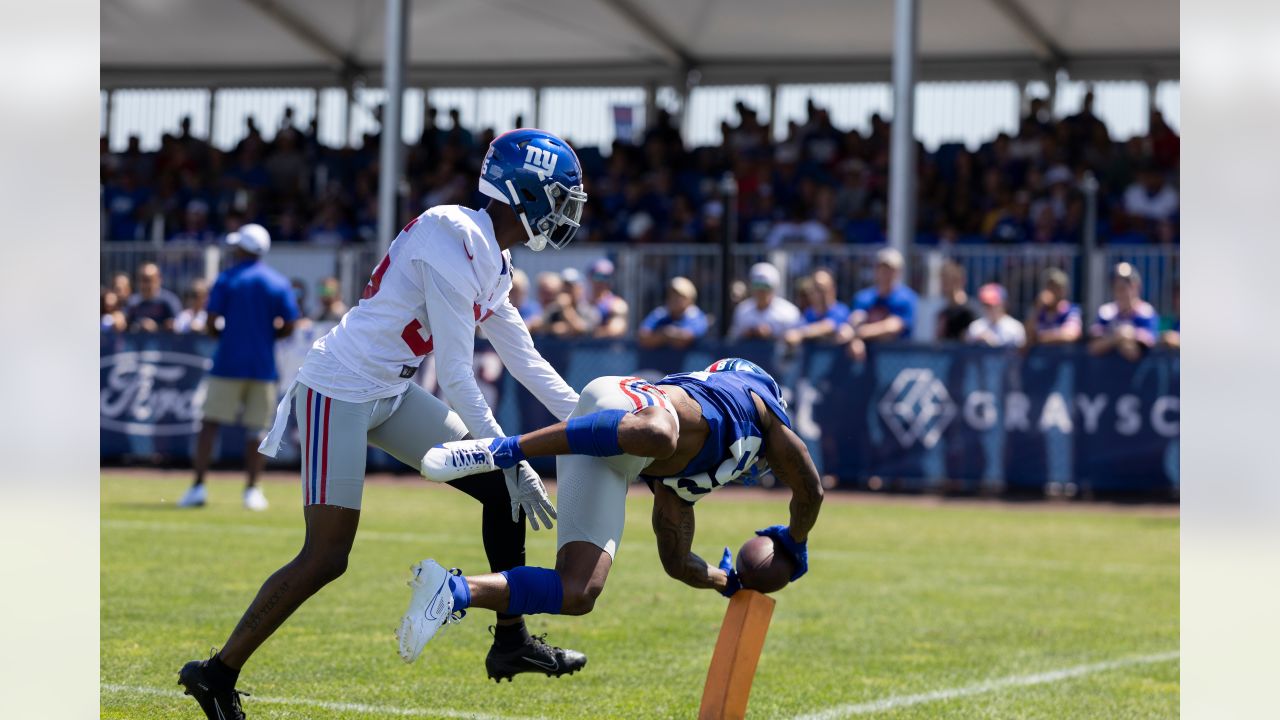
(902, 600)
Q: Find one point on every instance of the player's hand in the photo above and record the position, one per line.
(799, 551)
(527, 493)
(733, 584)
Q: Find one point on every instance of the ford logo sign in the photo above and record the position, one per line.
(152, 392)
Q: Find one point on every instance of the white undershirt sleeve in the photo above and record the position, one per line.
(511, 339)
(453, 331)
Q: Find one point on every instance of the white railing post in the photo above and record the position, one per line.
(212, 263)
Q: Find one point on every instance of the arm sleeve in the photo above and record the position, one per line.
(453, 328)
(650, 321)
(510, 337)
(698, 324)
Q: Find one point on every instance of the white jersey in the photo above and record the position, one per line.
(443, 276)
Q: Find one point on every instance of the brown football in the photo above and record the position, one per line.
(764, 566)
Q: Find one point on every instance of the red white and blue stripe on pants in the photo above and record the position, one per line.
(642, 393)
(315, 444)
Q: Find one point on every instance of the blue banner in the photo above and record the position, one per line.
(913, 414)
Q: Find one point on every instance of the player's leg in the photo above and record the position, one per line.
(259, 411)
(333, 438)
(423, 421)
(624, 418)
(592, 507)
(221, 405)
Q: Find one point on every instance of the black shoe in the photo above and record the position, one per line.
(217, 703)
(533, 656)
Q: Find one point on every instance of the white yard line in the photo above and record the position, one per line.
(1051, 676)
(358, 708)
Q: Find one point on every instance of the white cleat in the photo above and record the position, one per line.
(458, 459)
(430, 608)
(254, 499)
(195, 497)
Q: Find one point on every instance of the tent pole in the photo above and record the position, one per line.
(902, 150)
(392, 156)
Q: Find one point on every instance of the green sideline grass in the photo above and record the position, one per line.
(900, 600)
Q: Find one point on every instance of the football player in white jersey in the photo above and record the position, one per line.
(447, 273)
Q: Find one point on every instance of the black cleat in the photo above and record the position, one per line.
(533, 656)
(217, 704)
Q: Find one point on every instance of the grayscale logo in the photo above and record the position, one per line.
(917, 407)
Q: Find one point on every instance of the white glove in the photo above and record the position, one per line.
(526, 491)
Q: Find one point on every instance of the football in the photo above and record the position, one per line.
(764, 566)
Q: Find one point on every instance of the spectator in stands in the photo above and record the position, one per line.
(958, 314)
(332, 308)
(1151, 198)
(193, 316)
(576, 287)
(1126, 325)
(1054, 320)
(559, 316)
(195, 225)
(153, 308)
(1171, 328)
(886, 310)
(126, 207)
(519, 296)
(112, 316)
(611, 309)
(825, 317)
(764, 315)
(250, 306)
(995, 327)
(122, 286)
(677, 324)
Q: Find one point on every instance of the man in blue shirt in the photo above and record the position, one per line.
(679, 323)
(250, 306)
(884, 311)
(825, 318)
(1128, 324)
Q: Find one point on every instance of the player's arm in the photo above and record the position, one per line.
(511, 339)
(453, 332)
(790, 462)
(673, 525)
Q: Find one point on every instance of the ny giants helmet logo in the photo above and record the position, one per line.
(542, 162)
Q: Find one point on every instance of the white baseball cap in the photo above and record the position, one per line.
(252, 238)
(764, 274)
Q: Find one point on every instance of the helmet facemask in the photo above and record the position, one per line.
(557, 227)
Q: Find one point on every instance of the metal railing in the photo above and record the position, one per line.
(642, 271)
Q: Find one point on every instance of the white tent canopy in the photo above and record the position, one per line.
(159, 43)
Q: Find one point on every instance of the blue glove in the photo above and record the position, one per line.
(506, 451)
(799, 551)
(726, 564)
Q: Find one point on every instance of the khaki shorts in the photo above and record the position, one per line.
(236, 401)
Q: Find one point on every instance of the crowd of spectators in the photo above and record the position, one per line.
(571, 304)
(820, 184)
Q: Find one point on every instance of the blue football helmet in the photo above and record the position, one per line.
(539, 176)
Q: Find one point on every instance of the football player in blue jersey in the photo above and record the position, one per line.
(686, 435)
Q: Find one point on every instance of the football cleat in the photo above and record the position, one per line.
(430, 608)
(458, 459)
(254, 499)
(217, 703)
(195, 497)
(535, 656)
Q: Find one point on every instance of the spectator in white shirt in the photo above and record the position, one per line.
(995, 328)
(1151, 197)
(764, 315)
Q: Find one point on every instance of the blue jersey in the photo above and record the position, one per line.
(735, 440)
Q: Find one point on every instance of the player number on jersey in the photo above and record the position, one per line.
(411, 335)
